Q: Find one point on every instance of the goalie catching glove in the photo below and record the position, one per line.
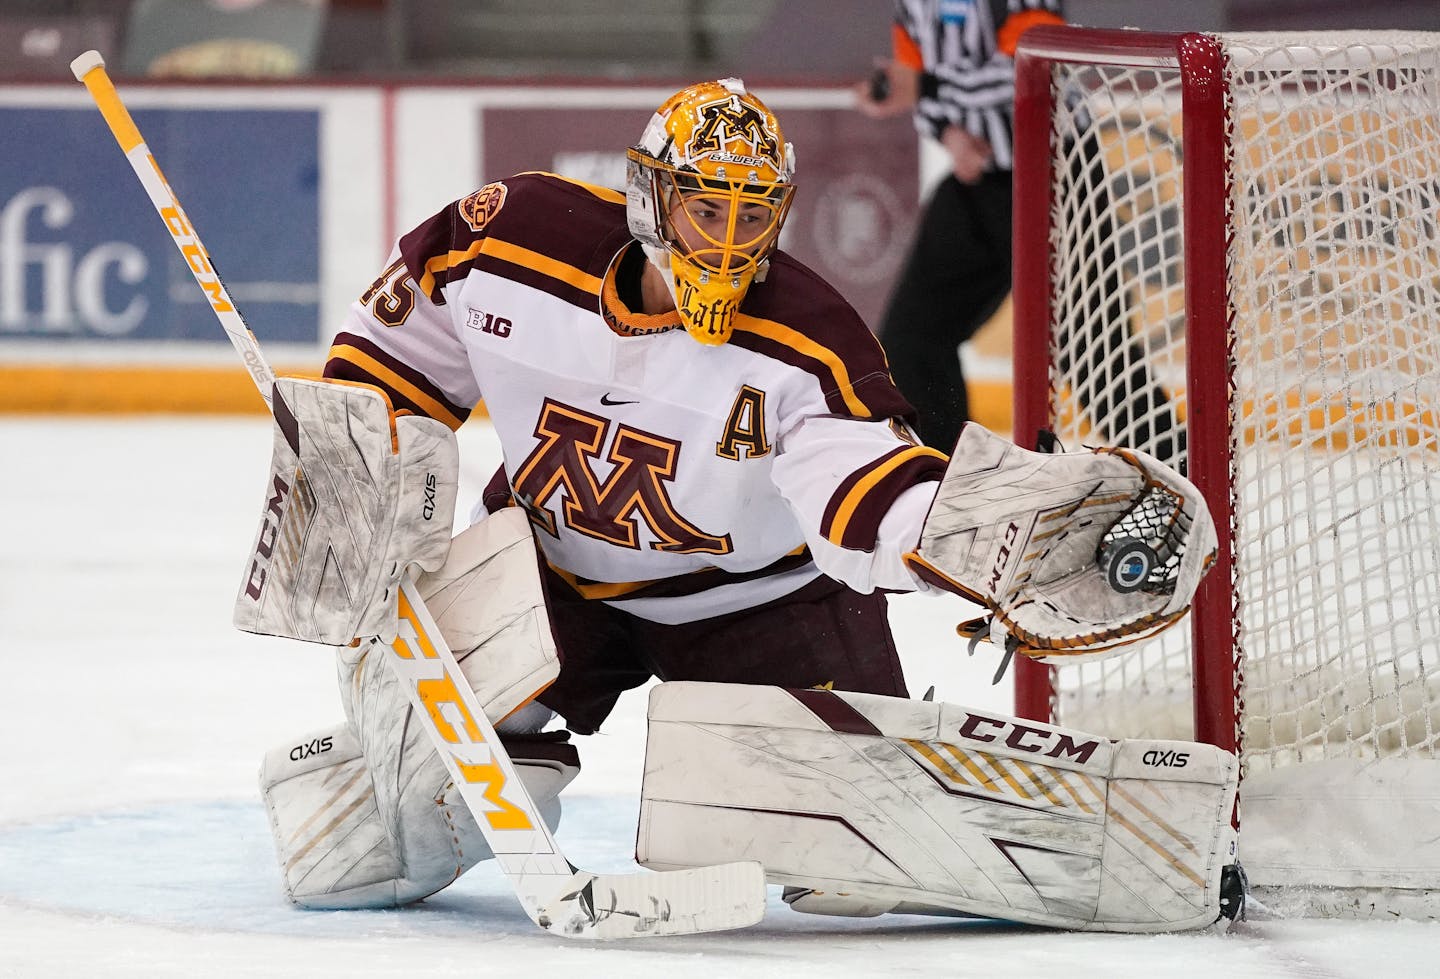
(356, 495)
(1074, 553)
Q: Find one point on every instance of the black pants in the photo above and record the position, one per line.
(957, 275)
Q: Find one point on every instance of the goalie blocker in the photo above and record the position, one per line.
(356, 495)
(920, 807)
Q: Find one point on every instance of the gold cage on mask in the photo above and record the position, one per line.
(721, 232)
(714, 171)
(724, 227)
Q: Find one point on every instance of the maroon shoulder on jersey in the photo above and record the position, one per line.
(798, 318)
(537, 229)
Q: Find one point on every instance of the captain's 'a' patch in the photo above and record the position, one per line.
(745, 427)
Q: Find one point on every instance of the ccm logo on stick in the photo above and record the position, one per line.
(1165, 759)
(441, 697)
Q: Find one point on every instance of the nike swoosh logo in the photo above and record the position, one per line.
(605, 400)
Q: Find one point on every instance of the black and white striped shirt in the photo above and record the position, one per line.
(966, 80)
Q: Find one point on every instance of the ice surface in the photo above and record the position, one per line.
(133, 718)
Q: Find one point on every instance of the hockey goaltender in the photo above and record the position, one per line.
(709, 478)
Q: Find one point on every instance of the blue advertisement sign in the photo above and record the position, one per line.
(84, 256)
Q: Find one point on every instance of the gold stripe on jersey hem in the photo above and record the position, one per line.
(618, 589)
(435, 409)
(599, 589)
(799, 342)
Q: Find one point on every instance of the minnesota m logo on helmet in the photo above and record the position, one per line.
(727, 121)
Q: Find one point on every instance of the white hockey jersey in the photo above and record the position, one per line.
(673, 479)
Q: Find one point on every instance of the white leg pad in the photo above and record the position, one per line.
(881, 804)
(373, 820)
(346, 841)
(489, 603)
(322, 814)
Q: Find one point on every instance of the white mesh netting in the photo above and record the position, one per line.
(1334, 287)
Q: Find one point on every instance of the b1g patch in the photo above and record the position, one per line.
(481, 206)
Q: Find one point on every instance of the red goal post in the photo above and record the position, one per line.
(1197, 58)
(1227, 254)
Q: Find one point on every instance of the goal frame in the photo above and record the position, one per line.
(1200, 58)
(1237, 232)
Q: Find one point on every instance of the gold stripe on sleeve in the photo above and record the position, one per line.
(869, 481)
(441, 263)
(435, 409)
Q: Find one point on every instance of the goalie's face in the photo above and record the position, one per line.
(709, 188)
(718, 240)
(723, 232)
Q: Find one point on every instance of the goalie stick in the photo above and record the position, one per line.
(557, 896)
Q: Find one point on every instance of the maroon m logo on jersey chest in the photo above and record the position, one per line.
(636, 489)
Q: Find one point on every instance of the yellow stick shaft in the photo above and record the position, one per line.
(89, 68)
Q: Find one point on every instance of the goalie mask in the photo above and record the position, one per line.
(707, 189)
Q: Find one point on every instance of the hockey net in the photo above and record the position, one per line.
(1237, 241)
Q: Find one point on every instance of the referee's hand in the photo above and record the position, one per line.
(969, 154)
(891, 89)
